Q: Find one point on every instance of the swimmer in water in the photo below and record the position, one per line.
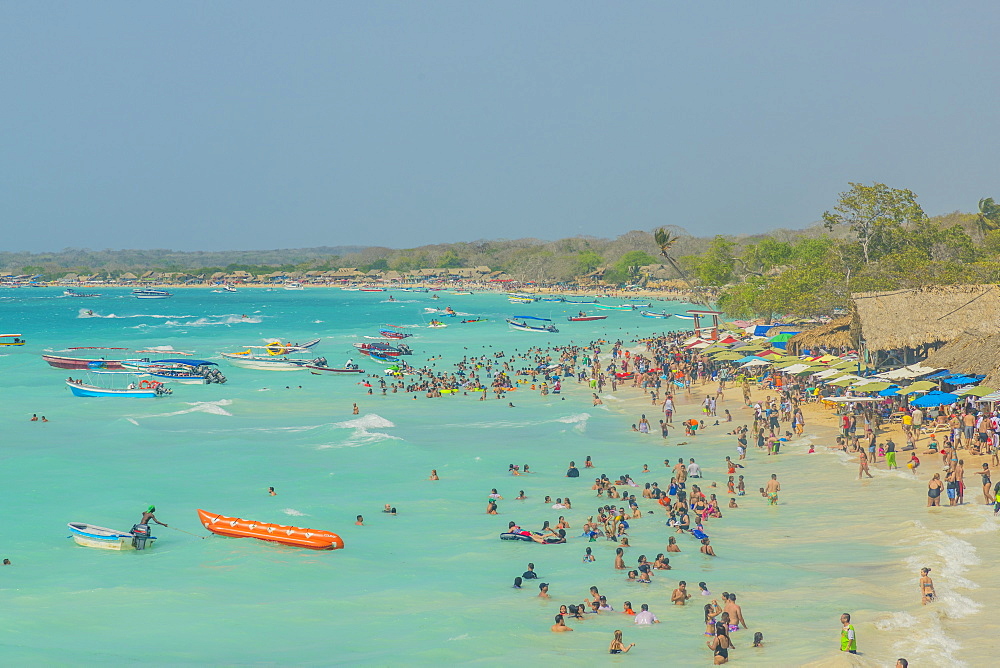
(617, 646)
(434, 474)
(270, 490)
(360, 522)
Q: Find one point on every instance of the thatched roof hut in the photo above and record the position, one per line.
(835, 334)
(971, 352)
(923, 319)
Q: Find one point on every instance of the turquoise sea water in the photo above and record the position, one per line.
(430, 585)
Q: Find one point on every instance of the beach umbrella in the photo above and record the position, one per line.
(889, 391)
(919, 386)
(979, 391)
(935, 399)
(961, 380)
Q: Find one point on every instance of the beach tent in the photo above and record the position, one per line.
(845, 381)
(919, 386)
(850, 400)
(792, 367)
(871, 387)
(962, 380)
(762, 330)
(751, 358)
(907, 372)
(830, 373)
(935, 399)
(974, 391)
(755, 362)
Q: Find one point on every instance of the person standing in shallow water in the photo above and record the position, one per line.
(848, 639)
(771, 489)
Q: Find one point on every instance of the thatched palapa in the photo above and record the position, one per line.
(834, 335)
(920, 320)
(971, 352)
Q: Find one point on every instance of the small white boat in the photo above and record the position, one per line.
(103, 538)
(294, 285)
(151, 294)
(69, 292)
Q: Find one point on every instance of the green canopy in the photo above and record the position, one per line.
(873, 387)
(978, 391)
(919, 386)
(781, 338)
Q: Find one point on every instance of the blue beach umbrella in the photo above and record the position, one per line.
(889, 391)
(935, 399)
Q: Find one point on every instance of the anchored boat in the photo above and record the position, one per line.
(520, 322)
(234, 527)
(149, 293)
(11, 340)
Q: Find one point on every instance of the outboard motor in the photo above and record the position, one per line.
(140, 534)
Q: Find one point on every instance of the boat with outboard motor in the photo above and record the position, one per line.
(70, 292)
(234, 527)
(150, 293)
(648, 314)
(615, 307)
(103, 538)
(12, 340)
(184, 371)
(318, 370)
(394, 332)
(272, 361)
(583, 317)
(380, 346)
(520, 322)
(122, 384)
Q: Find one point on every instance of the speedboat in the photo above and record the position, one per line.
(520, 322)
(69, 292)
(103, 538)
(12, 340)
(294, 285)
(586, 318)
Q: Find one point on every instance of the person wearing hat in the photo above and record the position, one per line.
(148, 515)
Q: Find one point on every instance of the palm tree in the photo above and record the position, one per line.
(989, 215)
(666, 241)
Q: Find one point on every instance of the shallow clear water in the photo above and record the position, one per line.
(431, 584)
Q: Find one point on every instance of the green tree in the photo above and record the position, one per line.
(876, 214)
(450, 260)
(716, 265)
(587, 261)
(627, 267)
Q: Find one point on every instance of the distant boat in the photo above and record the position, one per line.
(69, 292)
(320, 370)
(616, 307)
(586, 318)
(683, 317)
(520, 322)
(11, 340)
(60, 362)
(149, 293)
(647, 314)
(224, 289)
(436, 324)
(294, 285)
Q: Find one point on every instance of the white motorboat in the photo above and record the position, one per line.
(103, 538)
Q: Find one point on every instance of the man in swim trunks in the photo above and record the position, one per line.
(771, 489)
(680, 595)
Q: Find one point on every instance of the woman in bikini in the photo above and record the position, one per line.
(617, 646)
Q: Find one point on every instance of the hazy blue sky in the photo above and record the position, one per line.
(241, 125)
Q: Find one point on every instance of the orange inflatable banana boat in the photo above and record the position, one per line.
(277, 533)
